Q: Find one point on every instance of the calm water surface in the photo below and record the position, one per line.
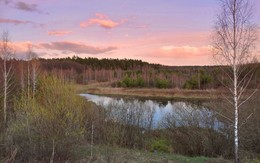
(157, 113)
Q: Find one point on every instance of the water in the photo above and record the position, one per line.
(155, 113)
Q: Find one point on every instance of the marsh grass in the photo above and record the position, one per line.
(149, 92)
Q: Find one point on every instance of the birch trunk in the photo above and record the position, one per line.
(32, 67)
(6, 54)
(35, 69)
(235, 26)
(5, 93)
(92, 140)
(236, 138)
(28, 78)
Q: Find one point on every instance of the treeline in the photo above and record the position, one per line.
(131, 73)
(136, 73)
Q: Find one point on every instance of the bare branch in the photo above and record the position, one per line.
(244, 122)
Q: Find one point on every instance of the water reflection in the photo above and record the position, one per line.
(156, 114)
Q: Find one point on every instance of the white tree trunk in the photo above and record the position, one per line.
(34, 76)
(28, 78)
(236, 138)
(92, 140)
(22, 76)
(5, 93)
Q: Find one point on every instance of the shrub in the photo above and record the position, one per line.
(54, 118)
(161, 145)
(129, 82)
(162, 83)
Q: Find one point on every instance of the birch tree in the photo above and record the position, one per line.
(29, 54)
(233, 46)
(35, 69)
(32, 71)
(6, 55)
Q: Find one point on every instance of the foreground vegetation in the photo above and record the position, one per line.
(57, 124)
(46, 119)
(117, 155)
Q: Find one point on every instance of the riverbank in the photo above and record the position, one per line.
(150, 92)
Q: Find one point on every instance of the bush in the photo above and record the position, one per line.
(140, 82)
(162, 83)
(161, 145)
(193, 83)
(128, 82)
(55, 117)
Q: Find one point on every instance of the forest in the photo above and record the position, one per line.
(136, 73)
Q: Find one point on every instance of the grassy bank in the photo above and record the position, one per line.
(149, 92)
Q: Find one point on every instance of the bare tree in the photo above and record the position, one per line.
(35, 69)
(32, 70)
(6, 55)
(233, 44)
(21, 67)
(29, 57)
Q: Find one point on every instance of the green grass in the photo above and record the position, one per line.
(118, 155)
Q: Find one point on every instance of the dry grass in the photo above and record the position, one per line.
(149, 92)
(118, 155)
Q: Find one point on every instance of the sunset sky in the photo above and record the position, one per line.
(171, 32)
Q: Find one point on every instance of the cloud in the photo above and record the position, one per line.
(75, 47)
(7, 1)
(101, 20)
(101, 16)
(57, 49)
(184, 51)
(19, 48)
(23, 6)
(59, 33)
(178, 55)
(13, 21)
(20, 22)
(26, 7)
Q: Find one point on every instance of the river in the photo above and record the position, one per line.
(147, 113)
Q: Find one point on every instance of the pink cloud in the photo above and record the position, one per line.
(20, 49)
(20, 22)
(21, 46)
(184, 51)
(13, 21)
(75, 47)
(56, 49)
(101, 20)
(59, 33)
(181, 55)
(101, 16)
(176, 55)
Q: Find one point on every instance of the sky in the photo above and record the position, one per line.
(169, 32)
